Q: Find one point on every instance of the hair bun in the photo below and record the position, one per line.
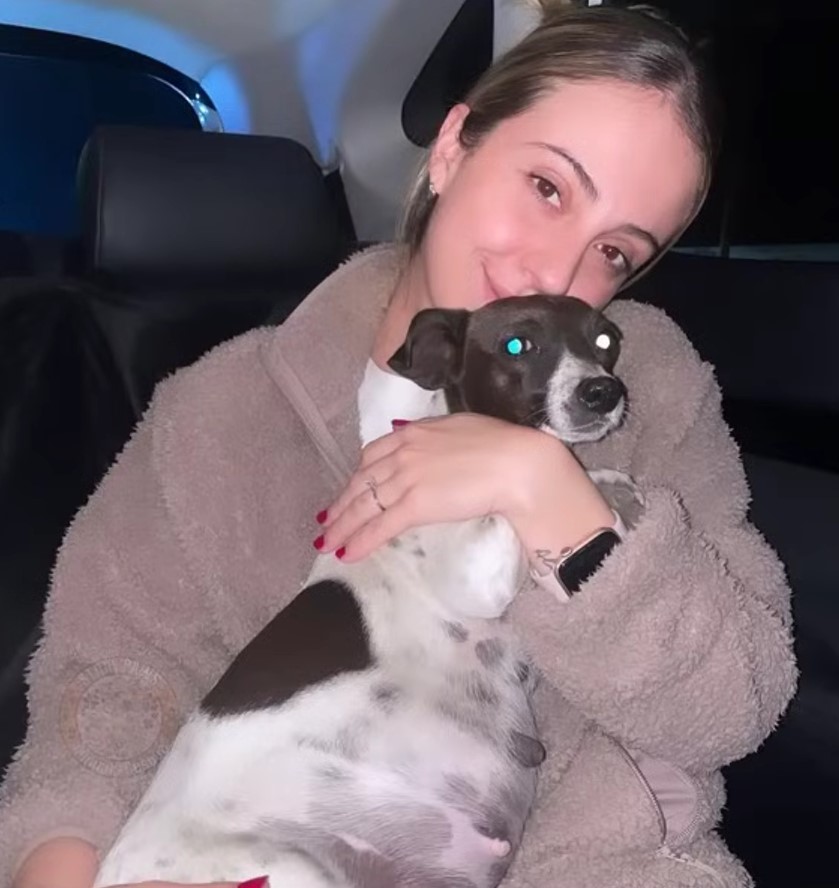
(659, 15)
(549, 7)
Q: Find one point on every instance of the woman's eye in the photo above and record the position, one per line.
(616, 259)
(547, 190)
(517, 345)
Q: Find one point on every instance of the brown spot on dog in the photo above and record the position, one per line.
(386, 696)
(332, 773)
(318, 743)
(320, 634)
(479, 691)
(456, 631)
(490, 651)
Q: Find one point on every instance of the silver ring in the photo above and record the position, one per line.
(373, 487)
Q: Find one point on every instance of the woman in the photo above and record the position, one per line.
(576, 160)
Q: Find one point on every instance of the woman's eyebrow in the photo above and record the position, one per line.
(587, 184)
(642, 233)
(580, 171)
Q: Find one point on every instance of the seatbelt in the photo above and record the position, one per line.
(298, 396)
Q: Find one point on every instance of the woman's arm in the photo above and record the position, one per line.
(114, 673)
(681, 642)
(459, 467)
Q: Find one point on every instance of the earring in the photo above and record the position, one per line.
(431, 189)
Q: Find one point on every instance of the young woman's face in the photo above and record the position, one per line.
(569, 197)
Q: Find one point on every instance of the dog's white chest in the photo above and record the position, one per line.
(385, 396)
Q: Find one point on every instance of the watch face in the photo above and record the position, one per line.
(577, 568)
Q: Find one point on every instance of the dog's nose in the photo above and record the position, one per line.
(601, 393)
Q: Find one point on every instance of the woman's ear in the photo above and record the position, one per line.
(447, 151)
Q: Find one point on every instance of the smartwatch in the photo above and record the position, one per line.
(564, 576)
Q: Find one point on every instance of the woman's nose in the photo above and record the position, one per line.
(552, 269)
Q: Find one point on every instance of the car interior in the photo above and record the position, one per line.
(176, 174)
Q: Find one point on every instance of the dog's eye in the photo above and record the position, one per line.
(517, 345)
(604, 341)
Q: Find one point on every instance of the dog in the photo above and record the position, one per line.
(378, 732)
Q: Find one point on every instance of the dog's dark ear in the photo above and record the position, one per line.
(432, 353)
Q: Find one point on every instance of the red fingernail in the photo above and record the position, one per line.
(341, 552)
(321, 517)
(318, 543)
(398, 423)
(258, 882)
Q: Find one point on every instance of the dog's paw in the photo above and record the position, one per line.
(622, 494)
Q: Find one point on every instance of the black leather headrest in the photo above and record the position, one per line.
(185, 205)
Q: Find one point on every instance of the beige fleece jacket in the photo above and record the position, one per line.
(676, 653)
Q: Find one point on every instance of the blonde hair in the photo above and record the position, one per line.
(634, 45)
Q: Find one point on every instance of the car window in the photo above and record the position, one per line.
(54, 90)
(776, 191)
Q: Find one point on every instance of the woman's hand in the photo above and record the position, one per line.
(177, 885)
(259, 882)
(458, 467)
(67, 862)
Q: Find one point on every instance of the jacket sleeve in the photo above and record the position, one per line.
(106, 688)
(680, 645)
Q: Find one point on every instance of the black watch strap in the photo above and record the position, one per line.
(564, 576)
(582, 563)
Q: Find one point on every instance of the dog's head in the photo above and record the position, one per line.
(542, 361)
